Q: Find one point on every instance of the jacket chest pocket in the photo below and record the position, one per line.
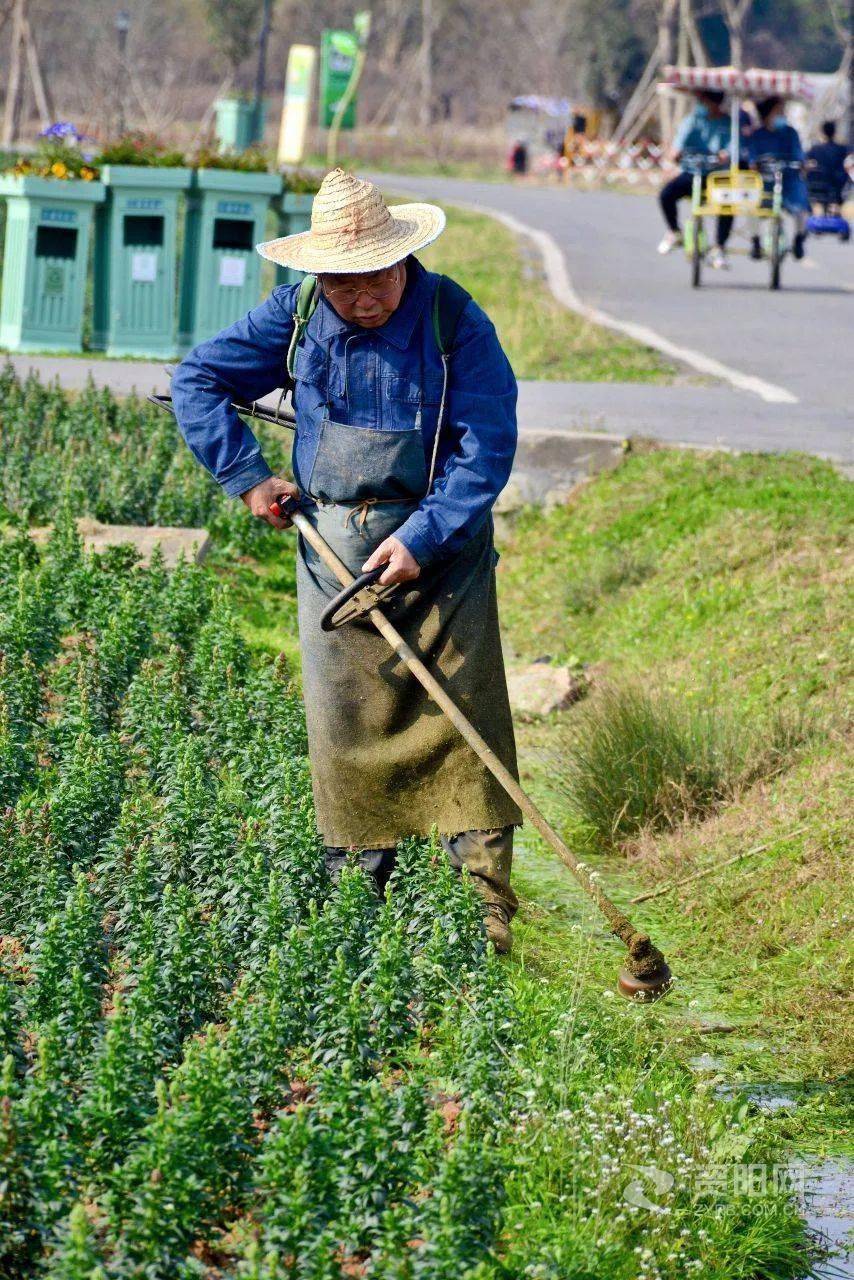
(313, 369)
(411, 403)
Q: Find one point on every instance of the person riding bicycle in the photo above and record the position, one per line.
(829, 161)
(775, 139)
(706, 132)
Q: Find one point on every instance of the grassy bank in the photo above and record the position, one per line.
(722, 584)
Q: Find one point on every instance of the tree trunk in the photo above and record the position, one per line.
(735, 12)
(426, 112)
(15, 86)
(666, 49)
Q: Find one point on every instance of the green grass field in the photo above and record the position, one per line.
(723, 583)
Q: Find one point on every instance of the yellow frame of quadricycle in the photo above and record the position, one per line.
(741, 180)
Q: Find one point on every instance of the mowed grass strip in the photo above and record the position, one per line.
(708, 571)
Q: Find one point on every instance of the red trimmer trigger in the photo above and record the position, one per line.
(284, 506)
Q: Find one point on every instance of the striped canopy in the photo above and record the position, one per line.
(751, 83)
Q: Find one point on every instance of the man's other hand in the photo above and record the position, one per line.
(402, 565)
(261, 496)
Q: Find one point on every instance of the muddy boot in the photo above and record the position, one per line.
(379, 864)
(488, 858)
(497, 925)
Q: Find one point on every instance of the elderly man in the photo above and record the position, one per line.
(401, 450)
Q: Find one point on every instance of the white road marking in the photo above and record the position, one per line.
(557, 274)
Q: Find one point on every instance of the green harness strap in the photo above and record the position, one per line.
(449, 303)
(306, 306)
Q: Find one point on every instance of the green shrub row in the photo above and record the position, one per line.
(208, 1051)
(121, 461)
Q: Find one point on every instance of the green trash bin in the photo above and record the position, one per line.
(238, 125)
(46, 256)
(136, 268)
(221, 274)
(294, 216)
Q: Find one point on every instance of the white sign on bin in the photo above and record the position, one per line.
(232, 271)
(143, 268)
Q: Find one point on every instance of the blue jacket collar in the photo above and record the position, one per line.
(399, 327)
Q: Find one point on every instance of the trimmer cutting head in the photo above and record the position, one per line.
(644, 990)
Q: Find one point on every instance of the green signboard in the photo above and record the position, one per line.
(338, 51)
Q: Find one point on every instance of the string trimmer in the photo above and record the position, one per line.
(646, 975)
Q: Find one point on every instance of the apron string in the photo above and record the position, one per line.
(359, 513)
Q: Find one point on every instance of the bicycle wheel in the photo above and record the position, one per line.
(775, 252)
(696, 243)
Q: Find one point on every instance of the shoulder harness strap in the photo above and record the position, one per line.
(307, 299)
(449, 303)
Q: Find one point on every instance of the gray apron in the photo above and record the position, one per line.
(385, 762)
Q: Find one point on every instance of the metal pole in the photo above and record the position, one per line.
(122, 26)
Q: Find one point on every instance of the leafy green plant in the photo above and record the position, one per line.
(140, 149)
(252, 160)
(302, 184)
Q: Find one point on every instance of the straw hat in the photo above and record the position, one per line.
(353, 230)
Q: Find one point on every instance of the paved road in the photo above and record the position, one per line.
(800, 340)
(682, 414)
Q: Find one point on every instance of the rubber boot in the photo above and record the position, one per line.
(378, 863)
(488, 858)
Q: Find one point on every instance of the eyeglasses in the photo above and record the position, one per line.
(379, 286)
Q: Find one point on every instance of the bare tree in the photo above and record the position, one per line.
(233, 24)
(735, 15)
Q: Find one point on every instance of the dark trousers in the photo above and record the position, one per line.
(679, 188)
(487, 855)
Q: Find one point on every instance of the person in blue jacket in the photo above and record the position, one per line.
(830, 161)
(399, 454)
(706, 131)
(776, 139)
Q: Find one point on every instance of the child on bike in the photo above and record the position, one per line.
(830, 161)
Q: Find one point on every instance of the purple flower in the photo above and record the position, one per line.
(62, 129)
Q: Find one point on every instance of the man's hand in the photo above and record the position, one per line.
(259, 499)
(402, 565)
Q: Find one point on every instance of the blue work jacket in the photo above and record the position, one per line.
(386, 379)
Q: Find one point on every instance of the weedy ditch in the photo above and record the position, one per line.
(215, 1063)
(636, 758)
